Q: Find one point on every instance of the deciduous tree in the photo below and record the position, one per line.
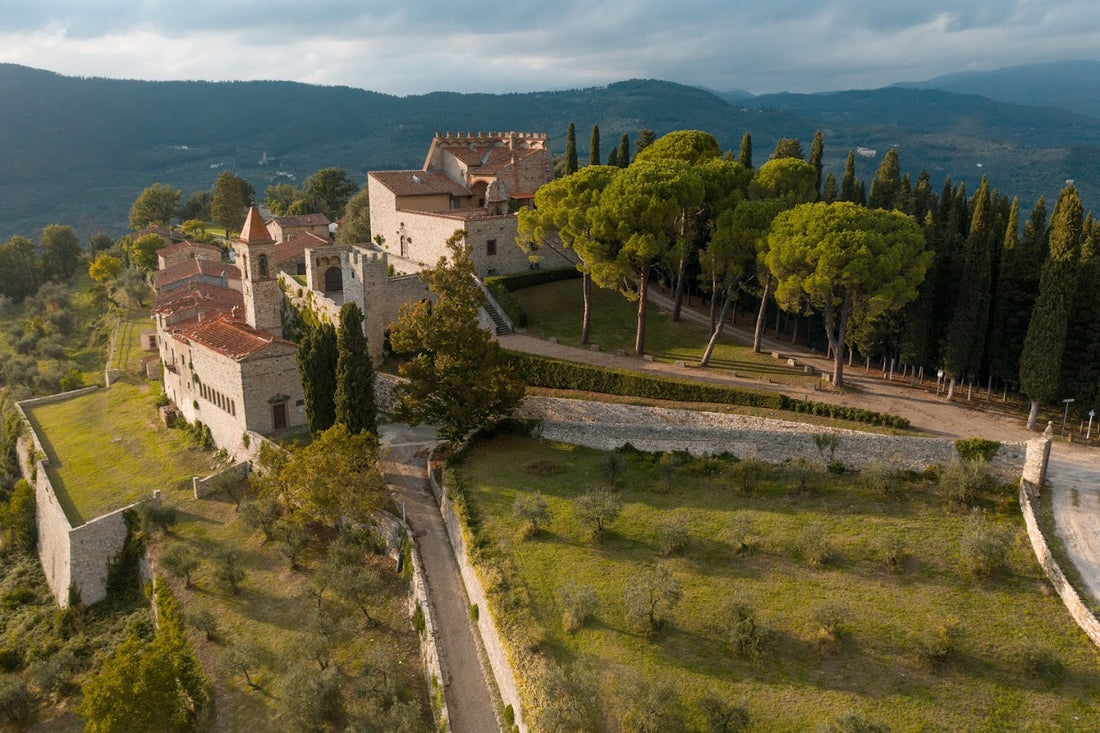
(104, 267)
(61, 251)
(143, 252)
(157, 204)
(355, 224)
(330, 189)
(228, 207)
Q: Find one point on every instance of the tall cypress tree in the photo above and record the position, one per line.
(594, 146)
(1044, 345)
(829, 190)
(884, 186)
(646, 137)
(571, 150)
(1012, 306)
(848, 185)
(622, 157)
(356, 406)
(744, 156)
(1081, 361)
(613, 157)
(317, 366)
(966, 336)
(817, 152)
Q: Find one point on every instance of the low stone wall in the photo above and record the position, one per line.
(393, 532)
(207, 485)
(606, 426)
(486, 625)
(1038, 454)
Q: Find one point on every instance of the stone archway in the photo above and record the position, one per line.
(334, 279)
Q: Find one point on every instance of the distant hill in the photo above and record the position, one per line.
(78, 151)
(1070, 85)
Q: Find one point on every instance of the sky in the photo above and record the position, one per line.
(417, 46)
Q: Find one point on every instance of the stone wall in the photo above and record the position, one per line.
(72, 557)
(206, 485)
(1038, 453)
(606, 426)
(393, 532)
(486, 625)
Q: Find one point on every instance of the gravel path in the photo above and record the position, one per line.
(1073, 477)
(469, 701)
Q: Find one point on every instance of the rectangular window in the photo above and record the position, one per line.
(491, 247)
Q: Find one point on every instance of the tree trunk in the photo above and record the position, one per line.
(586, 320)
(1033, 415)
(950, 389)
(643, 292)
(759, 333)
(678, 298)
(836, 326)
(714, 336)
(794, 335)
(713, 300)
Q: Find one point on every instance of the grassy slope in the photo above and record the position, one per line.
(555, 310)
(107, 449)
(874, 668)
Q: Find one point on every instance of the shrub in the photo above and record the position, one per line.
(853, 723)
(894, 551)
(261, 513)
(804, 475)
(204, 622)
(829, 620)
(749, 474)
(156, 516)
(939, 646)
(533, 511)
(1042, 663)
(715, 715)
(228, 570)
(741, 530)
(813, 545)
(650, 706)
(612, 466)
(877, 476)
(827, 443)
(671, 534)
(578, 603)
(746, 636)
(983, 546)
(180, 561)
(597, 508)
(16, 700)
(965, 480)
(977, 449)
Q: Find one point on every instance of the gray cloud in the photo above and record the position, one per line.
(425, 45)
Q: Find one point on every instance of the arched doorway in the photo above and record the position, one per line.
(333, 279)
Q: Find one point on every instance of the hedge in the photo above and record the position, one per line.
(541, 371)
(502, 287)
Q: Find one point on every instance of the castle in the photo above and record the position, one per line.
(219, 325)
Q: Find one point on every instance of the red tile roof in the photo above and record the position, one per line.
(172, 249)
(202, 297)
(420, 183)
(303, 220)
(193, 268)
(231, 338)
(254, 230)
(297, 245)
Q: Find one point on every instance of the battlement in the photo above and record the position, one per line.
(487, 136)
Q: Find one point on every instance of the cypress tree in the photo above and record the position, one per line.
(317, 366)
(1081, 361)
(1044, 345)
(613, 157)
(1012, 305)
(861, 194)
(646, 137)
(817, 152)
(966, 336)
(744, 156)
(355, 402)
(884, 186)
(848, 191)
(594, 146)
(787, 147)
(622, 157)
(829, 191)
(571, 150)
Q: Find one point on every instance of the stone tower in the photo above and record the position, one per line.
(255, 256)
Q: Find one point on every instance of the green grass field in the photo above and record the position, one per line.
(555, 310)
(127, 353)
(107, 449)
(1015, 661)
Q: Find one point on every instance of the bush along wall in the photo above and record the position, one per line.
(502, 288)
(540, 371)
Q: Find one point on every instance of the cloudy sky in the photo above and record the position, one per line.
(416, 46)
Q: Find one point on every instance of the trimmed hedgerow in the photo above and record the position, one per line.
(541, 371)
(503, 286)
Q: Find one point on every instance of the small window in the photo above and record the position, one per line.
(491, 247)
(263, 265)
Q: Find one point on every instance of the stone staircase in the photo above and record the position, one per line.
(502, 325)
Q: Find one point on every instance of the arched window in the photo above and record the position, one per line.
(263, 265)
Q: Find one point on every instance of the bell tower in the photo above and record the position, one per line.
(254, 252)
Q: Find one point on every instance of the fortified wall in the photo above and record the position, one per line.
(73, 557)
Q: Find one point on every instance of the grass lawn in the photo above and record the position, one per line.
(107, 449)
(128, 354)
(1012, 658)
(555, 309)
(272, 616)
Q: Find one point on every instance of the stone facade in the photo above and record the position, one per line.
(282, 228)
(180, 253)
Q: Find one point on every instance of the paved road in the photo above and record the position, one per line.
(1073, 477)
(467, 692)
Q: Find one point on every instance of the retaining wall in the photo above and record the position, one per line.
(72, 557)
(1038, 454)
(493, 643)
(393, 532)
(206, 485)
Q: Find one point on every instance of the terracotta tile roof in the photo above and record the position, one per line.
(231, 338)
(297, 245)
(202, 297)
(471, 155)
(185, 245)
(501, 158)
(193, 268)
(303, 220)
(420, 183)
(254, 230)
